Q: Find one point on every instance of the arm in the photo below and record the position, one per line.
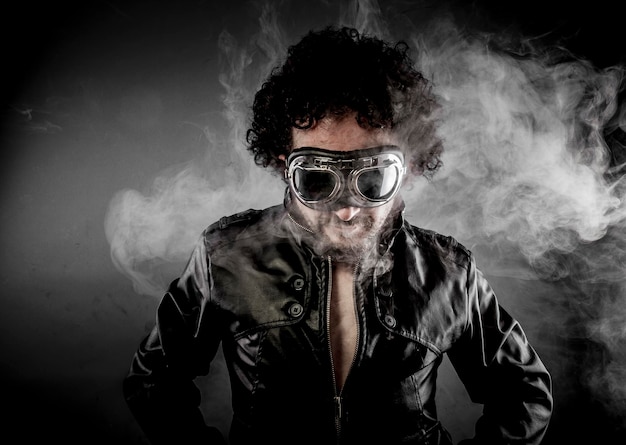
(160, 389)
(501, 370)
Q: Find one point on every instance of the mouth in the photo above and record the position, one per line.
(350, 229)
(359, 222)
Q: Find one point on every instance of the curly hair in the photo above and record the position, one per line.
(336, 72)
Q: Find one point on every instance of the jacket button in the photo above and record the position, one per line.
(295, 310)
(390, 321)
(298, 284)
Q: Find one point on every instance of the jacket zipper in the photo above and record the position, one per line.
(338, 397)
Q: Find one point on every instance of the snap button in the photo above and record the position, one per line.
(295, 310)
(390, 321)
(298, 283)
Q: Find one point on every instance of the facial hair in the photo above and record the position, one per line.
(348, 241)
(344, 241)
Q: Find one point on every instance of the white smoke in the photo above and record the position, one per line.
(529, 175)
(149, 233)
(525, 158)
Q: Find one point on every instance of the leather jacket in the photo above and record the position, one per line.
(253, 285)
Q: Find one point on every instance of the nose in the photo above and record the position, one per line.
(347, 213)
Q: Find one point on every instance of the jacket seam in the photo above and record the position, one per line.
(264, 326)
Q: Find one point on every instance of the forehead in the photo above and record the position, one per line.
(341, 135)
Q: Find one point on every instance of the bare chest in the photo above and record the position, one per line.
(343, 323)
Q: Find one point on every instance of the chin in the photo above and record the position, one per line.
(350, 248)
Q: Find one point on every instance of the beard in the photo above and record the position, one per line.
(347, 241)
(344, 241)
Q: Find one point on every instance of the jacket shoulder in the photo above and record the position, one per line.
(248, 222)
(444, 246)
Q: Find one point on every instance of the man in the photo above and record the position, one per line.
(333, 312)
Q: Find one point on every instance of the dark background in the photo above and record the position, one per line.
(93, 96)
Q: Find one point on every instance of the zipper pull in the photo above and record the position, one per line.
(338, 407)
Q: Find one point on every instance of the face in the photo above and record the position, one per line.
(344, 232)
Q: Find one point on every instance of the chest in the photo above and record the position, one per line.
(343, 325)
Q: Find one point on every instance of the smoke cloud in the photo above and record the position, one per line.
(151, 233)
(534, 178)
(526, 156)
(533, 174)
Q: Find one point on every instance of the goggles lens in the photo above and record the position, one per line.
(314, 185)
(378, 183)
(362, 178)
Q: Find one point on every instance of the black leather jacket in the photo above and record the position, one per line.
(254, 285)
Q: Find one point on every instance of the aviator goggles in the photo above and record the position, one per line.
(360, 178)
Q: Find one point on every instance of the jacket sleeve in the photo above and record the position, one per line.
(501, 370)
(159, 388)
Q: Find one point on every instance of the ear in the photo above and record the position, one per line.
(282, 157)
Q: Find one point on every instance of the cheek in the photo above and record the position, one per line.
(380, 213)
(310, 215)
